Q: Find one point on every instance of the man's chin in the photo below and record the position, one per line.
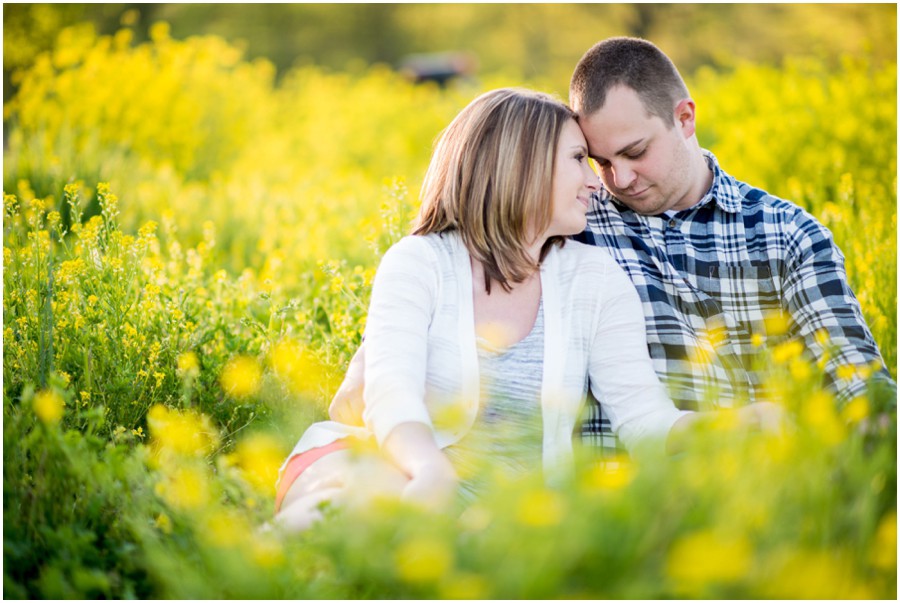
(647, 207)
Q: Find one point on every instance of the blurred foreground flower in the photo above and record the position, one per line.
(185, 433)
(297, 367)
(464, 586)
(541, 508)
(188, 365)
(805, 574)
(884, 549)
(423, 560)
(614, 474)
(258, 457)
(241, 376)
(185, 488)
(224, 528)
(819, 413)
(705, 558)
(48, 406)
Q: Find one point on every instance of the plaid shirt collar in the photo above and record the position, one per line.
(724, 190)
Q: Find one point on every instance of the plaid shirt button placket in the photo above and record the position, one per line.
(711, 275)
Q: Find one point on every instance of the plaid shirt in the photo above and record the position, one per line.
(711, 275)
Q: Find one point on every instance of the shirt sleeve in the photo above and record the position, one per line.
(404, 294)
(621, 372)
(824, 310)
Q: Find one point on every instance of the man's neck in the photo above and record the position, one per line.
(703, 181)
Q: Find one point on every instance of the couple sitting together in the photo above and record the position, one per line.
(488, 326)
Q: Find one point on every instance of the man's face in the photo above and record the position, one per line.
(644, 162)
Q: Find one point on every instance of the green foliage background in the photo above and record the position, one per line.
(191, 225)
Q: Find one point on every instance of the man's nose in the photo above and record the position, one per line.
(623, 176)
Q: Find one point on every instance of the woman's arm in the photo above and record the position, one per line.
(405, 295)
(622, 377)
(404, 299)
(347, 405)
(433, 480)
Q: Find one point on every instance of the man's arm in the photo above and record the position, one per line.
(826, 313)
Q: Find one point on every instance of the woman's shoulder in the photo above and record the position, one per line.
(587, 257)
(413, 248)
(445, 243)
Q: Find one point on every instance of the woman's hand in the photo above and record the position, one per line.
(433, 487)
(432, 478)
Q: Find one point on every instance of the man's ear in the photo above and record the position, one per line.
(685, 117)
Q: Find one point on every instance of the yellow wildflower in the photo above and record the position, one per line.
(241, 376)
(776, 323)
(540, 508)
(259, 457)
(705, 558)
(187, 487)
(463, 587)
(611, 475)
(163, 523)
(48, 406)
(800, 369)
(856, 410)
(225, 529)
(846, 372)
(188, 365)
(820, 413)
(298, 367)
(884, 548)
(181, 432)
(787, 351)
(815, 575)
(423, 560)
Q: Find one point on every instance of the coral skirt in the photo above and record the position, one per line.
(300, 463)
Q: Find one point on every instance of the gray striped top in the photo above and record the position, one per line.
(505, 440)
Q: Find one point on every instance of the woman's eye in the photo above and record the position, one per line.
(636, 155)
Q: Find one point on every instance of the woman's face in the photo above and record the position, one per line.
(573, 183)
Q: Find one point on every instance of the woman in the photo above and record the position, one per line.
(488, 321)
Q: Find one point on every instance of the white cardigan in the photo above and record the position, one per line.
(421, 359)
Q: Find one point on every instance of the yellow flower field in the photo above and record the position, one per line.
(187, 258)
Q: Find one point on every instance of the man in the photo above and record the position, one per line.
(720, 266)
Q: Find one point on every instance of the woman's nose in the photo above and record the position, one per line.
(591, 179)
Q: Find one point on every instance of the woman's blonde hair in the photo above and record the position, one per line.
(491, 179)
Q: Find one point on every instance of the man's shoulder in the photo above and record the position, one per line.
(766, 214)
(754, 198)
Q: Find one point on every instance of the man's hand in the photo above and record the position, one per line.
(347, 405)
(763, 416)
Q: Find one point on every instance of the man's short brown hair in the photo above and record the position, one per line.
(632, 62)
